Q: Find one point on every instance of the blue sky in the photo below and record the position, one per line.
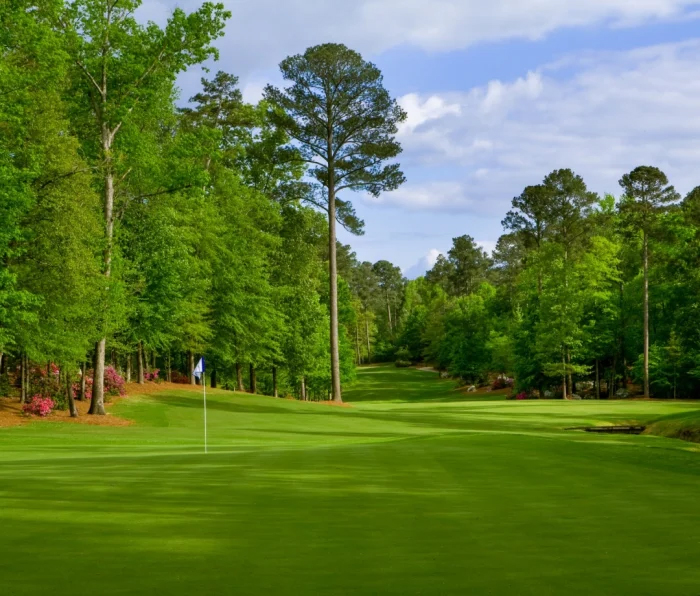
(498, 94)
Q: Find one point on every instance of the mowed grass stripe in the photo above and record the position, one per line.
(433, 497)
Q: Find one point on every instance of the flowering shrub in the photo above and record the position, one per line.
(88, 388)
(152, 376)
(39, 406)
(522, 395)
(114, 382)
(502, 383)
(46, 383)
(178, 377)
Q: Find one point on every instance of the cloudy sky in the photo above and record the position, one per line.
(498, 94)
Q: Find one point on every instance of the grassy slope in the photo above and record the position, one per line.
(432, 497)
(684, 425)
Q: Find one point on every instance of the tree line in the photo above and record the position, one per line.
(583, 294)
(141, 234)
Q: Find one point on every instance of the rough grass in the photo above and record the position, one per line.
(426, 495)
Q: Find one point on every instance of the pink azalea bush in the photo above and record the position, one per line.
(502, 383)
(180, 378)
(39, 406)
(88, 388)
(114, 382)
(152, 376)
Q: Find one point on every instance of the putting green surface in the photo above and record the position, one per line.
(394, 495)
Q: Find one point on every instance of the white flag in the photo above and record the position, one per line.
(199, 369)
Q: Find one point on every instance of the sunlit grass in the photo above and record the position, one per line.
(409, 491)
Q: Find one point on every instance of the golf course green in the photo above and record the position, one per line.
(411, 489)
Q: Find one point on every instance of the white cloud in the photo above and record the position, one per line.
(432, 196)
(419, 112)
(616, 111)
(487, 245)
(261, 33)
(423, 265)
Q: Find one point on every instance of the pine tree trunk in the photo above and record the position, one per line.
(647, 392)
(357, 344)
(568, 374)
(388, 308)
(333, 270)
(369, 346)
(83, 381)
(128, 367)
(69, 395)
(139, 363)
(253, 380)
(97, 404)
(23, 378)
(563, 360)
(303, 389)
(107, 137)
(274, 382)
(239, 378)
(169, 377)
(190, 367)
(597, 379)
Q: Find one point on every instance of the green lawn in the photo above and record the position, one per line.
(396, 495)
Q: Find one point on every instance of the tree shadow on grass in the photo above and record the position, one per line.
(236, 407)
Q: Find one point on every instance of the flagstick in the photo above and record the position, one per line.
(204, 387)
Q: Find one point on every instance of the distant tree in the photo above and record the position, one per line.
(571, 203)
(530, 218)
(391, 283)
(463, 269)
(343, 120)
(647, 195)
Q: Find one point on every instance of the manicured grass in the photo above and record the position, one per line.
(685, 426)
(401, 496)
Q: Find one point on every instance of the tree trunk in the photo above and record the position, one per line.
(369, 346)
(303, 389)
(128, 367)
(23, 378)
(274, 382)
(69, 394)
(333, 277)
(253, 380)
(169, 378)
(239, 378)
(107, 137)
(83, 381)
(190, 367)
(597, 379)
(563, 360)
(212, 382)
(568, 373)
(647, 392)
(139, 363)
(388, 308)
(97, 405)
(357, 344)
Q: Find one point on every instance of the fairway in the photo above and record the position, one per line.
(408, 491)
